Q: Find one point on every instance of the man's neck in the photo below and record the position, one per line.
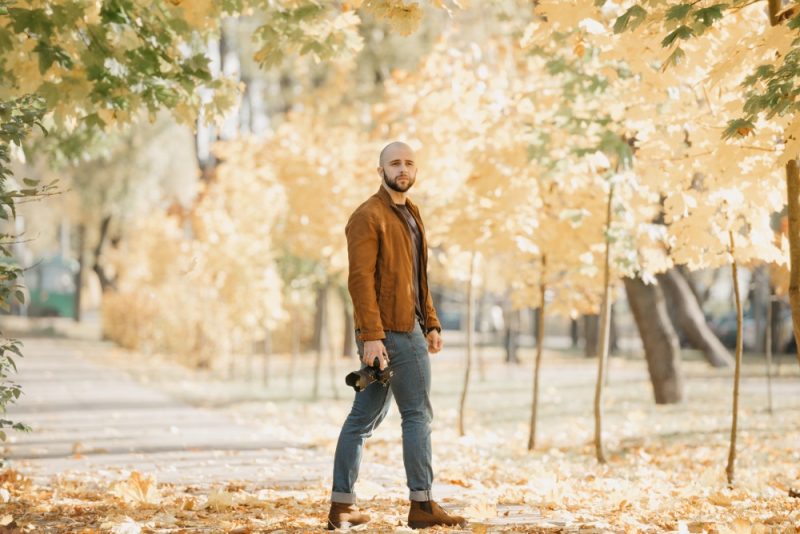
(397, 197)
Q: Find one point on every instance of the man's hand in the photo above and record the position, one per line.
(375, 350)
(434, 341)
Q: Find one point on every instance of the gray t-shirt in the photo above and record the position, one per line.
(416, 253)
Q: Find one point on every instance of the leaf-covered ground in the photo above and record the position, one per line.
(665, 471)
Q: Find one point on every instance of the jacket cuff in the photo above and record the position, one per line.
(433, 324)
(371, 335)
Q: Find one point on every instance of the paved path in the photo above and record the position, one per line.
(86, 416)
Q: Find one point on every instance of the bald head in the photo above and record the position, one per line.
(393, 148)
(397, 167)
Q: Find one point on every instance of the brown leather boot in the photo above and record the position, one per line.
(343, 515)
(424, 514)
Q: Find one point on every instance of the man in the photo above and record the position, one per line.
(396, 326)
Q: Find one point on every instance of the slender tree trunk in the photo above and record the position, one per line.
(349, 344)
(511, 340)
(470, 341)
(729, 470)
(79, 275)
(691, 320)
(332, 357)
(267, 357)
(479, 338)
(613, 341)
(768, 349)
(573, 332)
(105, 282)
(590, 326)
(539, 348)
(793, 193)
(662, 349)
(295, 350)
(602, 346)
(319, 327)
(759, 302)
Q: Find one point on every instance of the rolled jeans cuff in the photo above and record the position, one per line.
(344, 498)
(420, 496)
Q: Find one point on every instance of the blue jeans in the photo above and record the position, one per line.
(411, 387)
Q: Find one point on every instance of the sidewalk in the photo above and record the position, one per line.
(88, 417)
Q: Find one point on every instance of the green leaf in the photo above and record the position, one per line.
(631, 19)
(30, 181)
(738, 129)
(33, 21)
(708, 15)
(678, 12)
(681, 32)
(20, 296)
(674, 59)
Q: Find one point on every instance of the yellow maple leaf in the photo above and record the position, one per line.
(138, 489)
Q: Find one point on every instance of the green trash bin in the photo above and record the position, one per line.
(51, 286)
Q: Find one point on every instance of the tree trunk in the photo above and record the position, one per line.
(332, 357)
(539, 348)
(774, 10)
(295, 355)
(470, 341)
(349, 344)
(590, 326)
(479, 338)
(691, 319)
(573, 333)
(729, 470)
(511, 341)
(267, 357)
(701, 295)
(759, 302)
(793, 208)
(602, 345)
(79, 275)
(768, 349)
(320, 342)
(105, 282)
(613, 336)
(793, 193)
(661, 347)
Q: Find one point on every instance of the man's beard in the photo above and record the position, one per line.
(394, 186)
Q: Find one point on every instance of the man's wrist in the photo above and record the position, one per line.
(432, 328)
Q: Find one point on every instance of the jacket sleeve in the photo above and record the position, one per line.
(431, 319)
(362, 253)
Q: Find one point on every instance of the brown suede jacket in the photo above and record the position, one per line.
(381, 270)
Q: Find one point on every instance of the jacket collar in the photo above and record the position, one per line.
(386, 197)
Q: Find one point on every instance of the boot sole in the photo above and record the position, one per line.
(346, 526)
(416, 525)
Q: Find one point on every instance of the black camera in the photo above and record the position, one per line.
(365, 376)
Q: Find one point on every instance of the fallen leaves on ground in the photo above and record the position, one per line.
(665, 471)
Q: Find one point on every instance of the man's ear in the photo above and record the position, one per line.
(380, 172)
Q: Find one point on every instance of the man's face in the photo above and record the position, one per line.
(399, 170)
